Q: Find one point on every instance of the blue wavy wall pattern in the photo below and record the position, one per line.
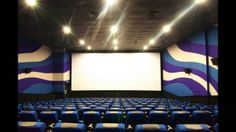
(49, 70)
(191, 54)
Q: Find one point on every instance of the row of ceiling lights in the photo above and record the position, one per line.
(114, 28)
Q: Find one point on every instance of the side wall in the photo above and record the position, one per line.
(191, 54)
(50, 70)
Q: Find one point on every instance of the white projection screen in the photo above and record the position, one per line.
(116, 71)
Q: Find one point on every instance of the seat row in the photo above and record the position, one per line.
(131, 118)
(114, 127)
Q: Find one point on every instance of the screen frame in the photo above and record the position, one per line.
(120, 92)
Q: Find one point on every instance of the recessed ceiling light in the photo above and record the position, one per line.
(66, 29)
(166, 28)
(200, 1)
(151, 41)
(145, 47)
(116, 47)
(114, 28)
(31, 3)
(115, 41)
(89, 48)
(81, 42)
(110, 2)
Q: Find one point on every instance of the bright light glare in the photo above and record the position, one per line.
(31, 3)
(152, 41)
(81, 42)
(114, 28)
(116, 47)
(66, 29)
(200, 1)
(166, 28)
(145, 47)
(110, 2)
(89, 47)
(115, 41)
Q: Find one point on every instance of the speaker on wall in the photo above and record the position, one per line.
(187, 70)
(214, 61)
(27, 70)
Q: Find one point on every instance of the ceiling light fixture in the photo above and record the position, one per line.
(200, 1)
(81, 42)
(152, 41)
(89, 48)
(115, 41)
(145, 47)
(116, 47)
(110, 2)
(114, 28)
(66, 29)
(166, 28)
(31, 3)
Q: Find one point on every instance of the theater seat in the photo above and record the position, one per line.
(192, 128)
(158, 117)
(202, 117)
(150, 128)
(28, 116)
(114, 117)
(31, 127)
(69, 127)
(70, 116)
(180, 117)
(216, 127)
(110, 127)
(91, 117)
(135, 117)
(48, 117)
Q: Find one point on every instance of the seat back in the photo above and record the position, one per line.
(180, 117)
(70, 116)
(202, 117)
(135, 117)
(31, 126)
(192, 128)
(69, 127)
(114, 117)
(150, 128)
(158, 117)
(28, 116)
(48, 117)
(91, 117)
(110, 127)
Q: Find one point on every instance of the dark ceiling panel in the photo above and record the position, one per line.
(142, 20)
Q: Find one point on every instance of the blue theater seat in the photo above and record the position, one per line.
(91, 117)
(158, 117)
(180, 117)
(135, 117)
(216, 127)
(70, 116)
(110, 127)
(115, 109)
(69, 127)
(31, 127)
(70, 108)
(150, 128)
(192, 128)
(100, 109)
(58, 110)
(130, 109)
(48, 117)
(202, 117)
(145, 109)
(28, 116)
(114, 117)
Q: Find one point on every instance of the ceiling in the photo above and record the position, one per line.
(139, 21)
